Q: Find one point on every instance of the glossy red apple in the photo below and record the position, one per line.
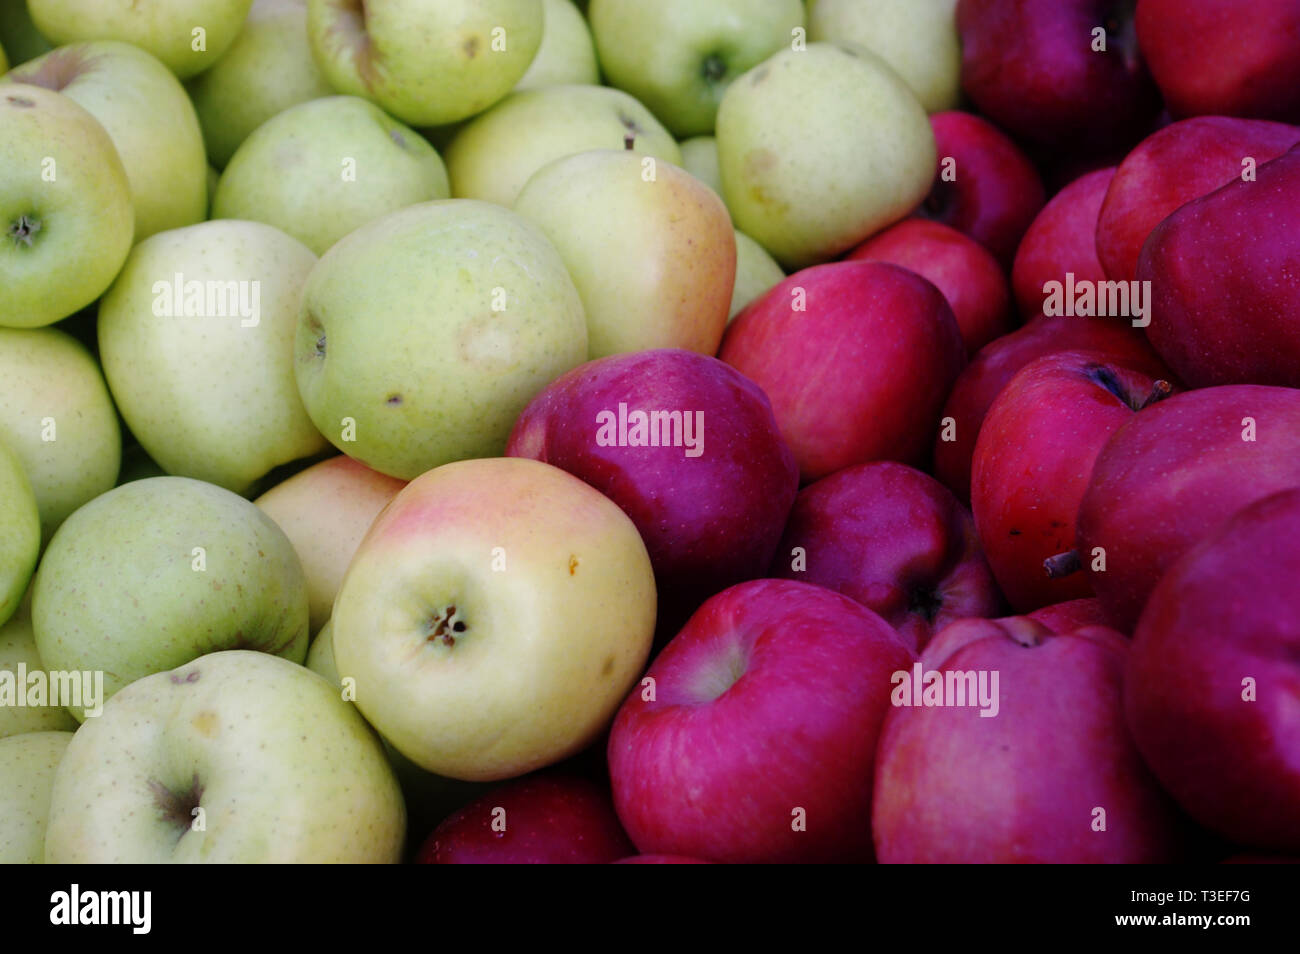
(1225, 281)
(755, 740)
(894, 539)
(539, 819)
(1213, 683)
(1052, 777)
(856, 358)
(966, 272)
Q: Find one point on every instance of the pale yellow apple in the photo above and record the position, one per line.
(567, 53)
(756, 272)
(18, 647)
(27, 768)
(700, 159)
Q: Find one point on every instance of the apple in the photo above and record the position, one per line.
(1220, 57)
(160, 571)
(196, 339)
(427, 62)
(984, 186)
(149, 118)
(187, 35)
(1061, 241)
(820, 148)
(967, 274)
(709, 496)
(545, 819)
(567, 53)
(493, 156)
(1067, 75)
(918, 39)
(665, 282)
(18, 656)
(896, 541)
(679, 56)
(27, 766)
(700, 159)
(20, 532)
(1225, 306)
(756, 273)
(856, 358)
(1170, 168)
(422, 335)
(1052, 778)
(752, 737)
(1169, 475)
(58, 166)
(1069, 615)
(57, 417)
(266, 70)
(494, 616)
(661, 860)
(237, 757)
(18, 34)
(326, 167)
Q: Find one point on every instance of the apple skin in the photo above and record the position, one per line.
(768, 701)
(550, 819)
(896, 541)
(1061, 239)
(708, 522)
(700, 159)
(858, 375)
(995, 191)
(27, 766)
(1225, 306)
(1169, 475)
(954, 787)
(1070, 615)
(661, 860)
(997, 363)
(1223, 57)
(567, 53)
(1030, 66)
(756, 273)
(18, 646)
(1228, 610)
(1033, 459)
(1170, 168)
(20, 531)
(967, 274)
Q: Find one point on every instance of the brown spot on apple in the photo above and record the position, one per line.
(573, 565)
(470, 46)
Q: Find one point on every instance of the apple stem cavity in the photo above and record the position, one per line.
(1063, 564)
(24, 229)
(177, 808)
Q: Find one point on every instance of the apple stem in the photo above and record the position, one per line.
(1063, 564)
(629, 140)
(1159, 391)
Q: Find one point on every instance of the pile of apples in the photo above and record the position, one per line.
(675, 431)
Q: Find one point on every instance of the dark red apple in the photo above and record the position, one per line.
(985, 187)
(1213, 683)
(1051, 777)
(755, 737)
(539, 819)
(661, 860)
(894, 539)
(856, 358)
(1071, 615)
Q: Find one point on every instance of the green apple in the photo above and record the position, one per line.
(196, 338)
(756, 272)
(325, 510)
(149, 117)
(917, 38)
(700, 159)
(266, 70)
(237, 757)
(18, 655)
(428, 62)
(679, 56)
(493, 155)
(57, 417)
(27, 768)
(324, 168)
(495, 617)
(65, 207)
(650, 248)
(819, 149)
(567, 53)
(423, 334)
(4, 60)
(160, 571)
(20, 532)
(320, 657)
(187, 35)
(18, 34)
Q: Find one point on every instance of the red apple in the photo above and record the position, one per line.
(894, 539)
(966, 272)
(661, 860)
(1071, 615)
(1172, 167)
(1225, 280)
(985, 187)
(1224, 56)
(755, 739)
(1213, 683)
(1052, 777)
(856, 357)
(1060, 241)
(1171, 474)
(539, 819)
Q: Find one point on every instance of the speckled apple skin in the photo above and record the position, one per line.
(27, 764)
